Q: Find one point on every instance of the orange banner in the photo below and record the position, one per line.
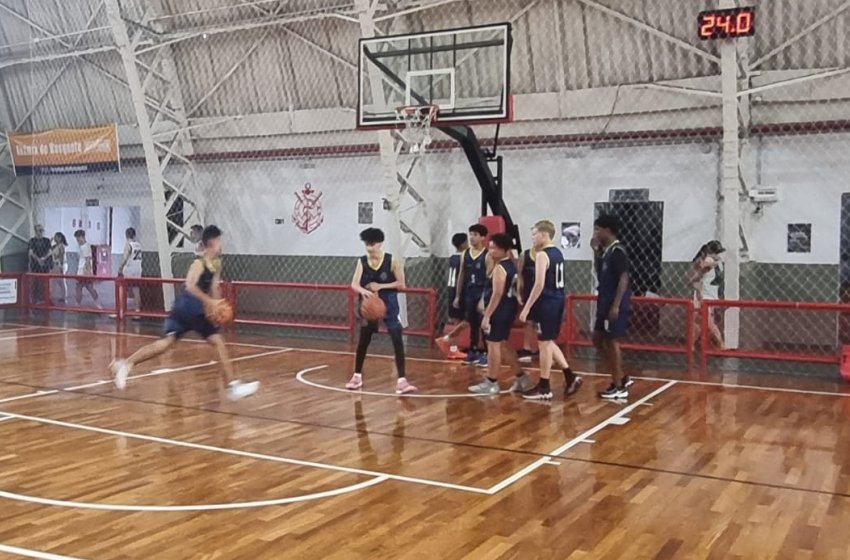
(65, 150)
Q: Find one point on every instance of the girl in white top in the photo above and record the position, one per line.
(58, 251)
(706, 280)
(131, 264)
(85, 267)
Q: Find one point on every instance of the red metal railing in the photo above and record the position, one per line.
(322, 321)
(153, 288)
(41, 284)
(296, 312)
(574, 338)
(232, 291)
(772, 354)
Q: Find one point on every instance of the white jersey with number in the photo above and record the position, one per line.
(133, 267)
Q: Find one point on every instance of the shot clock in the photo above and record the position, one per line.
(723, 24)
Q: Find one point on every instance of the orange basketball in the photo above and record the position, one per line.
(221, 313)
(373, 309)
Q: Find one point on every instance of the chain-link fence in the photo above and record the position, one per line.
(619, 108)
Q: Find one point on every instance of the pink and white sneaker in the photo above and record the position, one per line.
(403, 387)
(356, 382)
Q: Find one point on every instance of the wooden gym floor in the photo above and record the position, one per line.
(692, 467)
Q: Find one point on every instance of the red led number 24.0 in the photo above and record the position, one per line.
(718, 24)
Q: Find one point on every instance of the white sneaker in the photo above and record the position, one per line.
(486, 387)
(120, 372)
(402, 387)
(240, 389)
(356, 382)
(521, 384)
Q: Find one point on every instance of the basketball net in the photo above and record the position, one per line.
(416, 129)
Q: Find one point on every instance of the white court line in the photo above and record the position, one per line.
(18, 329)
(581, 438)
(197, 507)
(29, 395)
(300, 376)
(163, 371)
(39, 334)
(590, 373)
(27, 553)
(447, 362)
(240, 453)
(3, 418)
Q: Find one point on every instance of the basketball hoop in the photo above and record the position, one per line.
(416, 121)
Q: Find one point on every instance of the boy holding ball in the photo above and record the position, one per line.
(378, 274)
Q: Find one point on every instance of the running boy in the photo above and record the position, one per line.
(378, 274)
(202, 291)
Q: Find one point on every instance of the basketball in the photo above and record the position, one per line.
(220, 313)
(373, 309)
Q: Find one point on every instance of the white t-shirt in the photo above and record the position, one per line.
(134, 265)
(85, 253)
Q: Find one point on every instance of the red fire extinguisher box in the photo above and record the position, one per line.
(103, 260)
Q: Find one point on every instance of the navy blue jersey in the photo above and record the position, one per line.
(528, 272)
(612, 265)
(188, 303)
(553, 287)
(475, 270)
(454, 272)
(510, 283)
(383, 274)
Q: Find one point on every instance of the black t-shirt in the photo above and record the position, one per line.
(40, 246)
(611, 266)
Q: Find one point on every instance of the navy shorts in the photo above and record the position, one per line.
(618, 328)
(502, 321)
(393, 318)
(470, 305)
(178, 324)
(549, 315)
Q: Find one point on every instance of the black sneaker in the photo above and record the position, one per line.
(614, 392)
(628, 381)
(525, 356)
(573, 386)
(537, 394)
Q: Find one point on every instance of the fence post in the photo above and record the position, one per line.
(432, 316)
(351, 316)
(689, 336)
(704, 310)
(120, 299)
(569, 330)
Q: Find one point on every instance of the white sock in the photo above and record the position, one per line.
(453, 348)
(401, 380)
(446, 338)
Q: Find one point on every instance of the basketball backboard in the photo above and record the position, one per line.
(464, 72)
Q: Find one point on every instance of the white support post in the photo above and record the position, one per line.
(366, 13)
(730, 211)
(128, 57)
